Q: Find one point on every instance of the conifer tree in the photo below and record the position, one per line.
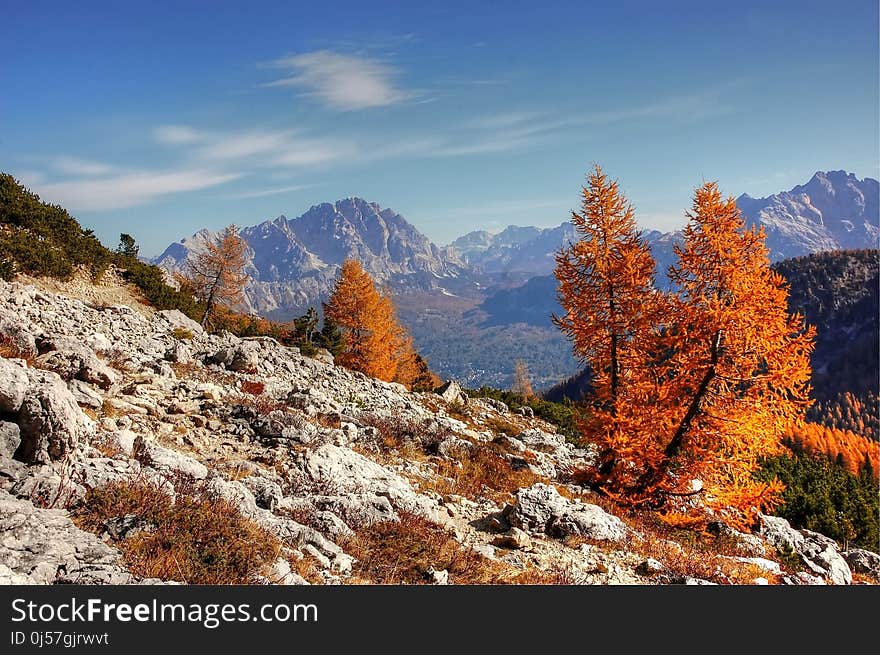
(740, 363)
(127, 247)
(374, 342)
(606, 287)
(693, 387)
(330, 336)
(215, 273)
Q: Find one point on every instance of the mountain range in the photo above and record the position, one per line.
(292, 262)
(491, 281)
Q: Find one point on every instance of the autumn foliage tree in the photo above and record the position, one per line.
(693, 386)
(606, 287)
(215, 273)
(740, 364)
(373, 340)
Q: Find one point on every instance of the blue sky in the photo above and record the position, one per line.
(164, 117)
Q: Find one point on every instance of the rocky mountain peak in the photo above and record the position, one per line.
(292, 262)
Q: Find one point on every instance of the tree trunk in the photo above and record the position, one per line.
(209, 303)
(674, 446)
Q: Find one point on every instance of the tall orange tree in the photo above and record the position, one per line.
(694, 386)
(214, 274)
(740, 363)
(606, 287)
(374, 342)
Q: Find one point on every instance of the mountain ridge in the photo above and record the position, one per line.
(292, 262)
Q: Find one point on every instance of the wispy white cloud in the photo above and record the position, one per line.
(341, 81)
(177, 134)
(258, 147)
(29, 177)
(262, 193)
(84, 167)
(130, 189)
(506, 119)
(515, 130)
(243, 145)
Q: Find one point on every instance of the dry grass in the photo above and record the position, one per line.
(684, 552)
(535, 576)
(191, 538)
(306, 569)
(109, 411)
(262, 405)
(331, 421)
(482, 471)
(182, 334)
(693, 561)
(402, 552)
(502, 426)
(404, 437)
(252, 388)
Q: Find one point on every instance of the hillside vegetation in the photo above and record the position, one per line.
(44, 240)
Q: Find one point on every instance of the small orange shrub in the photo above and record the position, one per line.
(253, 388)
(190, 538)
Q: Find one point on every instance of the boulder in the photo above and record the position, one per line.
(179, 352)
(267, 493)
(353, 510)
(280, 573)
(50, 421)
(865, 562)
(650, 567)
(174, 319)
(337, 470)
(167, 460)
(543, 441)
(72, 359)
(84, 394)
(535, 506)
(541, 509)
(437, 577)
(767, 565)
(10, 438)
(43, 546)
(17, 335)
(514, 539)
(14, 385)
(819, 553)
(452, 393)
(242, 357)
(497, 405)
(589, 521)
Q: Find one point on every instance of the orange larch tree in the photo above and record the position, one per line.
(606, 287)
(214, 274)
(739, 364)
(374, 342)
(691, 387)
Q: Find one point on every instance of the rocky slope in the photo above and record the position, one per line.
(321, 458)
